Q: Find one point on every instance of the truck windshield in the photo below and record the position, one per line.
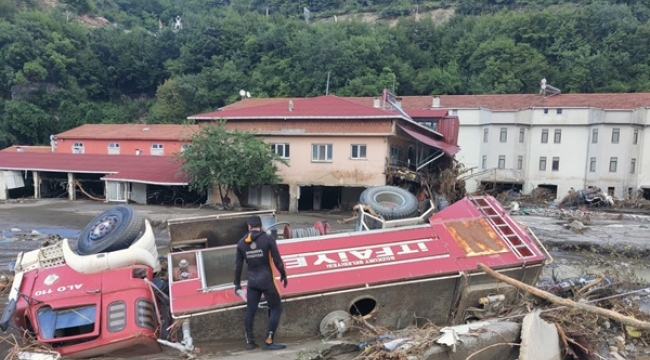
(60, 323)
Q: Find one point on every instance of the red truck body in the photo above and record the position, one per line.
(427, 268)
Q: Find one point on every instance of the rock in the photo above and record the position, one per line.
(539, 339)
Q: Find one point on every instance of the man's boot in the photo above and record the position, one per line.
(250, 340)
(270, 345)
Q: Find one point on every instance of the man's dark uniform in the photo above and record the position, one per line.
(258, 249)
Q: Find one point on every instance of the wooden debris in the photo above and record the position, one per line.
(625, 320)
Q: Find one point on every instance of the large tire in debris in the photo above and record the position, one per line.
(114, 229)
(390, 202)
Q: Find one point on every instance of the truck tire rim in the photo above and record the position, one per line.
(105, 226)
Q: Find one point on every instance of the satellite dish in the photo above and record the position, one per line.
(248, 94)
(242, 93)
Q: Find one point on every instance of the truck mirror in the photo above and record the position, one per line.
(7, 315)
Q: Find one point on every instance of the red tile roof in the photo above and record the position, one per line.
(29, 148)
(131, 132)
(161, 170)
(493, 102)
(523, 101)
(426, 113)
(321, 107)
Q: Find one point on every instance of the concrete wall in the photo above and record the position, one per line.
(342, 170)
(574, 150)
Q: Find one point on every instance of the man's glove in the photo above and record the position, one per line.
(237, 289)
(284, 280)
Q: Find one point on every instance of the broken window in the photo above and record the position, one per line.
(484, 162)
(542, 163)
(395, 155)
(592, 164)
(613, 162)
(635, 137)
(632, 166)
(555, 166)
(594, 136)
(557, 136)
(503, 136)
(61, 323)
(616, 134)
(485, 135)
(520, 162)
(544, 136)
(610, 191)
(323, 152)
(502, 161)
(522, 131)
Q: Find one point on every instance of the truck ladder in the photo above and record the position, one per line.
(503, 227)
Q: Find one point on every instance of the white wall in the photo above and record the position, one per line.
(574, 150)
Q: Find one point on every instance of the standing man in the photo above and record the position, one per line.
(258, 249)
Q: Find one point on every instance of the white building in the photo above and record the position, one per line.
(555, 141)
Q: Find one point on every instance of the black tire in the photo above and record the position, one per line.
(390, 202)
(114, 229)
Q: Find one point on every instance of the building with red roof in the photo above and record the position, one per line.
(336, 147)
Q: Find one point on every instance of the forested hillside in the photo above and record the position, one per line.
(71, 62)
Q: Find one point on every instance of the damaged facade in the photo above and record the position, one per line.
(335, 148)
(557, 142)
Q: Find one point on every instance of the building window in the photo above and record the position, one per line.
(616, 135)
(522, 131)
(157, 149)
(559, 111)
(485, 135)
(545, 111)
(78, 148)
(282, 150)
(113, 148)
(613, 162)
(321, 152)
(520, 162)
(484, 162)
(359, 151)
(592, 164)
(502, 161)
(555, 166)
(542, 163)
(557, 136)
(395, 155)
(185, 147)
(594, 136)
(503, 135)
(544, 136)
(632, 166)
(610, 191)
(635, 136)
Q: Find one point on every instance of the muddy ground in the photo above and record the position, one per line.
(599, 242)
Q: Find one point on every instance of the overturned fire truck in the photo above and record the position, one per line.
(113, 294)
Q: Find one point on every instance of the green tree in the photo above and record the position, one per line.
(228, 160)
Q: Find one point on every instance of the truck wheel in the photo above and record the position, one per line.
(390, 202)
(114, 229)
